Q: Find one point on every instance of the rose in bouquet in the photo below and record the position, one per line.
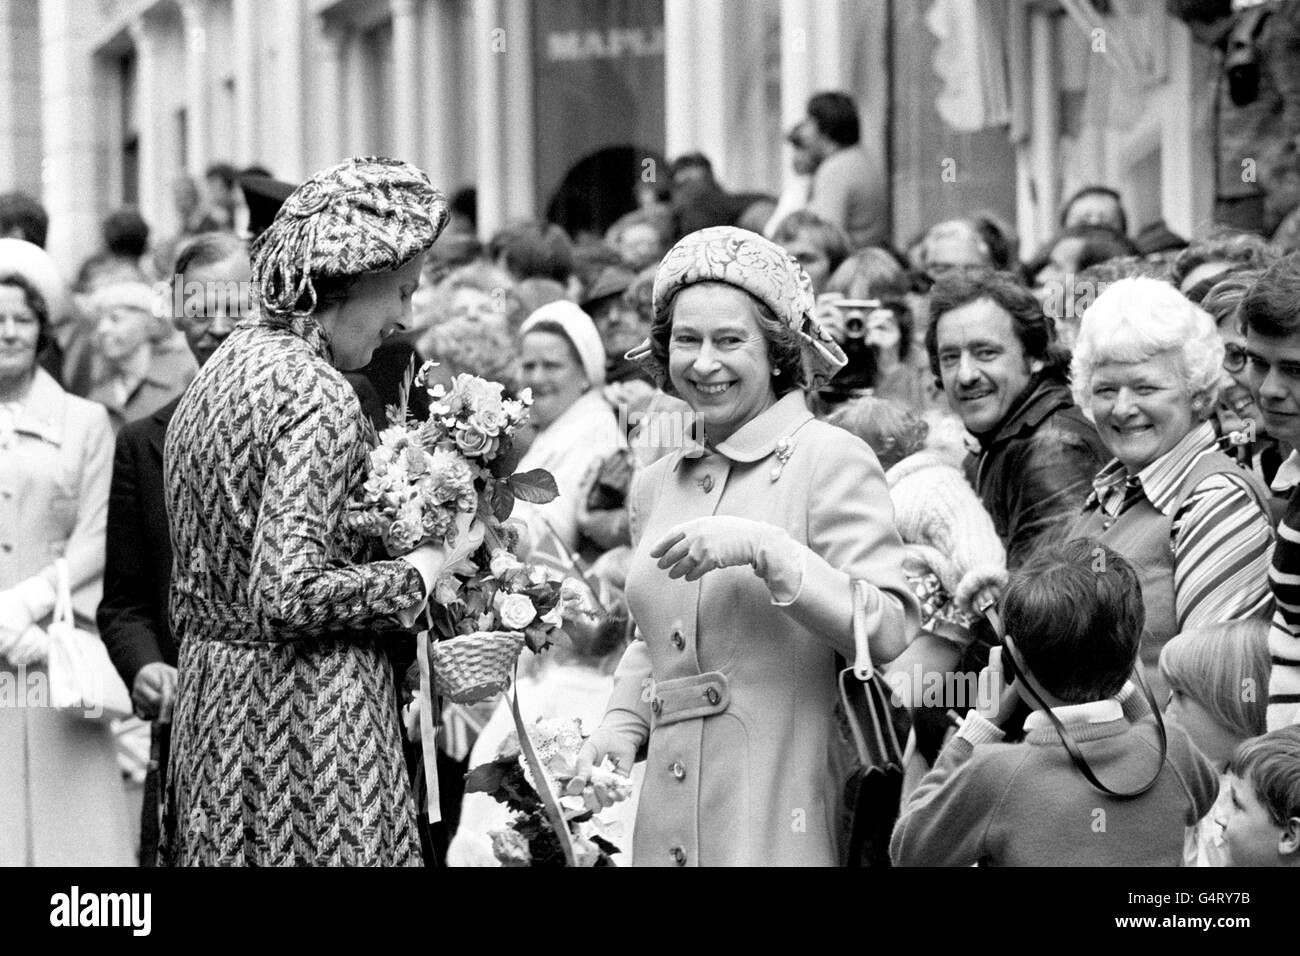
(530, 838)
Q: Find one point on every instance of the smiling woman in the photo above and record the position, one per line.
(275, 603)
(753, 556)
(1147, 368)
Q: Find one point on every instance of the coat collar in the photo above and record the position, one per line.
(757, 438)
(1043, 398)
(304, 327)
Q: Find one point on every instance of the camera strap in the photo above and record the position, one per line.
(1071, 747)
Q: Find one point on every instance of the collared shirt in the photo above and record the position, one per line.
(1288, 474)
(1092, 712)
(1220, 537)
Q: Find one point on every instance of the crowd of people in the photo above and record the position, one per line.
(784, 447)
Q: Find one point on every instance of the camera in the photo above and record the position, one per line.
(854, 315)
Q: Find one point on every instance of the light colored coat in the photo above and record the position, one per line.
(735, 695)
(586, 433)
(61, 796)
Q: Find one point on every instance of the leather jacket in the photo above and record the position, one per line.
(1035, 470)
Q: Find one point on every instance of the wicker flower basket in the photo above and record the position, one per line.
(476, 666)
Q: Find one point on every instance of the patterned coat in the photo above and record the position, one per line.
(286, 746)
(736, 696)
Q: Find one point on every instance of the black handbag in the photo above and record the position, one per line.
(877, 728)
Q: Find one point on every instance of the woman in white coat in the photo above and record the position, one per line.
(61, 797)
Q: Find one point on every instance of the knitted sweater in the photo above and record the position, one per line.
(939, 515)
(1284, 636)
(1027, 805)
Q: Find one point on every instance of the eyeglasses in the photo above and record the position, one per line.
(1234, 357)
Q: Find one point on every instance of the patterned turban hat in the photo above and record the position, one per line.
(756, 265)
(362, 216)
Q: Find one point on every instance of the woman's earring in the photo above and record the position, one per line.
(776, 371)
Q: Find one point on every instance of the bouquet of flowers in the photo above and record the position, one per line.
(530, 839)
(423, 475)
(427, 481)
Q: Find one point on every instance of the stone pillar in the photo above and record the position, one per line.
(489, 43)
(69, 97)
(696, 46)
(518, 163)
(155, 196)
(247, 119)
(194, 28)
(440, 93)
(406, 80)
(354, 90)
(327, 143)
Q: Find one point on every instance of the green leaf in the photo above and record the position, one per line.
(536, 487)
(503, 500)
(485, 778)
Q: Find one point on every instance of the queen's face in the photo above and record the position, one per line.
(1142, 409)
(718, 357)
(377, 305)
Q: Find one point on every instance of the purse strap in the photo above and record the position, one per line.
(62, 593)
(862, 689)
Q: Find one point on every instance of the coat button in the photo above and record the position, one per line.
(707, 483)
(657, 706)
(6, 548)
(678, 770)
(678, 641)
(678, 855)
(712, 695)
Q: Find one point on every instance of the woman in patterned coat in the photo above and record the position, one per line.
(285, 745)
(749, 553)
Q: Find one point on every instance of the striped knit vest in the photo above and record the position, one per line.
(1144, 535)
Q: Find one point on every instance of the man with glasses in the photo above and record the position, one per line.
(1270, 314)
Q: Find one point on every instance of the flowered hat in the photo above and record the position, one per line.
(753, 264)
(364, 215)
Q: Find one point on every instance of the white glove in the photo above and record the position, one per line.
(14, 612)
(694, 548)
(31, 647)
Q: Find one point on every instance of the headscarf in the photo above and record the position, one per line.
(580, 330)
(753, 264)
(362, 216)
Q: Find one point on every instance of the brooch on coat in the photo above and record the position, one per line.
(784, 449)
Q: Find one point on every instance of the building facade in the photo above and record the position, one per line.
(1001, 104)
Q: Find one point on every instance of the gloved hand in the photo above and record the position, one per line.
(621, 752)
(693, 549)
(14, 612)
(154, 692)
(32, 646)
(469, 537)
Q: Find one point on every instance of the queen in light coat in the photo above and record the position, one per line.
(742, 581)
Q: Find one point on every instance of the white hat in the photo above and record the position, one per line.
(579, 329)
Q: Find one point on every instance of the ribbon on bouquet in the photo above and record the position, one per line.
(428, 745)
(552, 806)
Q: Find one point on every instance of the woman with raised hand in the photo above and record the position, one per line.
(751, 556)
(286, 746)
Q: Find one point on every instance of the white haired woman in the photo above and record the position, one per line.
(1147, 368)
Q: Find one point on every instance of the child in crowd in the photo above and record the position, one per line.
(1218, 679)
(1074, 617)
(1261, 817)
